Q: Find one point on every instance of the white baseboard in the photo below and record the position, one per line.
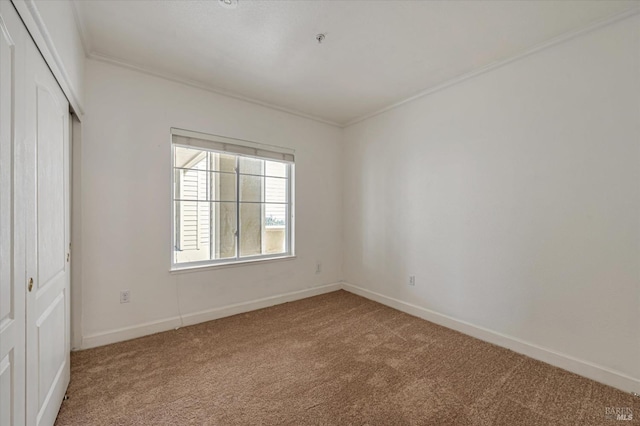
(239, 308)
(145, 329)
(583, 368)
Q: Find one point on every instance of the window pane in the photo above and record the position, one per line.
(250, 229)
(224, 232)
(251, 166)
(251, 188)
(194, 184)
(204, 231)
(275, 190)
(275, 215)
(274, 240)
(274, 168)
(191, 184)
(223, 186)
(193, 220)
(191, 157)
(223, 162)
(187, 157)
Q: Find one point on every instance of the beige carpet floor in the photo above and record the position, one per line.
(335, 359)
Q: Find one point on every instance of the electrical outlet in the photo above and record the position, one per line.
(412, 280)
(318, 267)
(125, 296)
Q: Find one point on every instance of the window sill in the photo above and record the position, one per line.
(248, 262)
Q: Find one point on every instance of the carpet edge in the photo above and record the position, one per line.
(575, 365)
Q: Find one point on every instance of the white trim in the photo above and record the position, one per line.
(81, 27)
(494, 65)
(203, 86)
(36, 27)
(260, 153)
(140, 330)
(578, 366)
(207, 265)
(175, 131)
(451, 82)
(128, 333)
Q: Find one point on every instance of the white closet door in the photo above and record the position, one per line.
(12, 237)
(48, 237)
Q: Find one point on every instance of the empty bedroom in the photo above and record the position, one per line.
(320, 212)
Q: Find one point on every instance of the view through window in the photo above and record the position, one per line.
(229, 207)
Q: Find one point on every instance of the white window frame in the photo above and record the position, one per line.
(238, 148)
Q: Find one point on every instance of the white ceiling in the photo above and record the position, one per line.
(376, 53)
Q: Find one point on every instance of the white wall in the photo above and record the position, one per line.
(58, 16)
(125, 205)
(514, 198)
(53, 27)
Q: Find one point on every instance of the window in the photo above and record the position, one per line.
(232, 200)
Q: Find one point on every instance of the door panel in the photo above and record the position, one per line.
(7, 90)
(50, 181)
(51, 346)
(34, 231)
(6, 373)
(12, 248)
(48, 236)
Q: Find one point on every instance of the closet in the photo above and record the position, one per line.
(34, 231)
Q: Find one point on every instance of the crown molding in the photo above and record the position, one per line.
(203, 86)
(78, 18)
(36, 27)
(494, 65)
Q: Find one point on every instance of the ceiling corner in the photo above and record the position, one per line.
(78, 17)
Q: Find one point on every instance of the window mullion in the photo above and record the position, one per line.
(212, 224)
(288, 218)
(262, 210)
(237, 207)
